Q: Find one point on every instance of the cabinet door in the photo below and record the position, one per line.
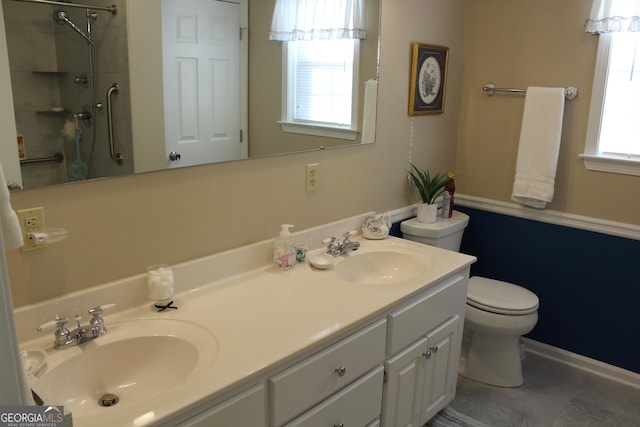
(401, 402)
(441, 367)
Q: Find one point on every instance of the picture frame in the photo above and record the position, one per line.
(428, 82)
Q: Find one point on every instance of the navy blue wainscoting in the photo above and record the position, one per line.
(588, 283)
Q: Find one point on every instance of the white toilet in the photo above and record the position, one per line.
(497, 313)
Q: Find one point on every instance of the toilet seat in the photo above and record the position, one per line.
(500, 297)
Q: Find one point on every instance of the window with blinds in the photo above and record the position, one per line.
(620, 127)
(319, 86)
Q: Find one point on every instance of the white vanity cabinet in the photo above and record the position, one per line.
(420, 358)
(397, 371)
(424, 339)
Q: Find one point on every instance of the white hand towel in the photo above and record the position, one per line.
(369, 113)
(539, 146)
(11, 233)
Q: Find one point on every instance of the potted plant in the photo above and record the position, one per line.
(430, 188)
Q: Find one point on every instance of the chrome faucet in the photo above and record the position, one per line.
(337, 248)
(63, 338)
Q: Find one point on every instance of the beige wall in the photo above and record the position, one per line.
(533, 43)
(119, 226)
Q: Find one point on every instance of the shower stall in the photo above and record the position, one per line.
(69, 76)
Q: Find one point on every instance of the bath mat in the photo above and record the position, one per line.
(449, 417)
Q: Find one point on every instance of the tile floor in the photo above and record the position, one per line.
(553, 395)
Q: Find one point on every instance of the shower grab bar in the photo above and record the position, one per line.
(55, 157)
(113, 9)
(117, 157)
(490, 89)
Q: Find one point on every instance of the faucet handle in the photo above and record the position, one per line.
(62, 335)
(53, 324)
(348, 234)
(97, 311)
(328, 240)
(96, 323)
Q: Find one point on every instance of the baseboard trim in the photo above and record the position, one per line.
(593, 366)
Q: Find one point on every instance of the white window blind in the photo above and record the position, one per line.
(322, 83)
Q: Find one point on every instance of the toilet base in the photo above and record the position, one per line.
(493, 360)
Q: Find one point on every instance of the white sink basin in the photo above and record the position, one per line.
(136, 361)
(381, 266)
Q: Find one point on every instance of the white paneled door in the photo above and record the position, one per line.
(202, 81)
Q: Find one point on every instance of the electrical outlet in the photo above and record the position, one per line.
(311, 181)
(31, 220)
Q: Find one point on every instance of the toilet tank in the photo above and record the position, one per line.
(445, 233)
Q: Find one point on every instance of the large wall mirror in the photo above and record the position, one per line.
(103, 88)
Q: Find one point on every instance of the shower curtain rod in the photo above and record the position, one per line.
(113, 9)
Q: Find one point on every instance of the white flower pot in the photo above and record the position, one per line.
(427, 214)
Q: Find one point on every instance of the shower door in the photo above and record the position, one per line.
(201, 74)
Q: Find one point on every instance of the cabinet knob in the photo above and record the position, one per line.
(434, 348)
(339, 425)
(427, 354)
(341, 370)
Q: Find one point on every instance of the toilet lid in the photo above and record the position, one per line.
(500, 297)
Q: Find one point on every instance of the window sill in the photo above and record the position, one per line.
(611, 164)
(319, 130)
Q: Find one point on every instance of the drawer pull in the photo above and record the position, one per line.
(341, 370)
(427, 355)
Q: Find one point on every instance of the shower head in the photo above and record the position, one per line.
(60, 16)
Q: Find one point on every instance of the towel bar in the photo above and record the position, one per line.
(490, 89)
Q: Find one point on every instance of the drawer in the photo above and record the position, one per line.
(412, 321)
(314, 379)
(357, 405)
(246, 409)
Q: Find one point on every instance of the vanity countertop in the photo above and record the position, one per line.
(260, 318)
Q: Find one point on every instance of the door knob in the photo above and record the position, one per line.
(173, 156)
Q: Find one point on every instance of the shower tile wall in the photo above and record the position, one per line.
(32, 54)
(45, 57)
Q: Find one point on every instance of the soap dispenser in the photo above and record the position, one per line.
(284, 249)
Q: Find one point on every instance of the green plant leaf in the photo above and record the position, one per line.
(428, 187)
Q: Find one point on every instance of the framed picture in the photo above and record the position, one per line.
(428, 79)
